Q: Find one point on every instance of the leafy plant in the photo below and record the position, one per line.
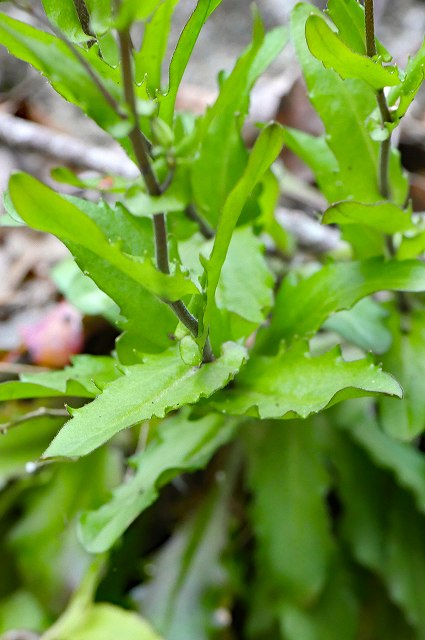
(308, 523)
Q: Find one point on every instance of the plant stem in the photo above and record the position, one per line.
(385, 151)
(141, 151)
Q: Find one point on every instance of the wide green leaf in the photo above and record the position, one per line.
(293, 384)
(382, 216)
(45, 210)
(180, 445)
(264, 152)
(302, 307)
(327, 47)
(288, 484)
(160, 385)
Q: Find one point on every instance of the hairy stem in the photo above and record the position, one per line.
(385, 151)
(141, 151)
(84, 17)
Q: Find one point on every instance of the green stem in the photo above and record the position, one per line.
(141, 151)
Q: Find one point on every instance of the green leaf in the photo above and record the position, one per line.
(132, 10)
(406, 360)
(180, 445)
(405, 93)
(84, 379)
(405, 463)
(52, 57)
(327, 47)
(382, 216)
(411, 246)
(333, 615)
(349, 18)
(148, 61)
(301, 308)
(289, 483)
(316, 154)
(222, 154)
(189, 583)
(45, 210)
(363, 325)
(344, 107)
(383, 529)
(264, 152)
(293, 384)
(21, 610)
(65, 18)
(182, 54)
(82, 292)
(162, 384)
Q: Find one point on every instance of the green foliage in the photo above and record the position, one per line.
(250, 453)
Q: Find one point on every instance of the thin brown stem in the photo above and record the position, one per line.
(141, 151)
(385, 150)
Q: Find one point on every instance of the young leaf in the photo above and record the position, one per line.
(302, 308)
(288, 484)
(293, 384)
(405, 93)
(327, 47)
(263, 154)
(160, 385)
(382, 216)
(45, 210)
(180, 445)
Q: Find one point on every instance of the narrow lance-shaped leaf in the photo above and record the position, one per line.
(301, 308)
(264, 153)
(293, 384)
(181, 56)
(45, 210)
(148, 61)
(49, 55)
(180, 445)
(160, 385)
(327, 47)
